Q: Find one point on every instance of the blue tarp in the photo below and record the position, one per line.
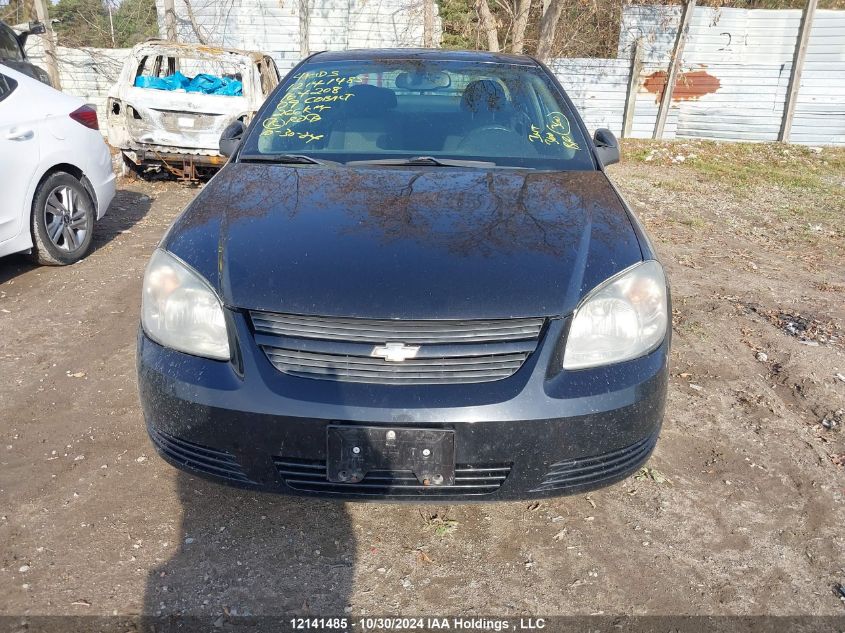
(206, 84)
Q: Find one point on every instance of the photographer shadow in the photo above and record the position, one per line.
(252, 555)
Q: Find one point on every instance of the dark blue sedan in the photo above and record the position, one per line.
(412, 280)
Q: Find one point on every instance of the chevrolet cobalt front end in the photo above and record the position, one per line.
(413, 280)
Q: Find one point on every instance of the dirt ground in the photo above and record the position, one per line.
(740, 512)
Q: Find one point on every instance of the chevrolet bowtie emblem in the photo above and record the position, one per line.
(395, 352)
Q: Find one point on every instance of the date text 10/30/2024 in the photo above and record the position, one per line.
(417, 623)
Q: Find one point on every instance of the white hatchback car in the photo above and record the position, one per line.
(56, 176)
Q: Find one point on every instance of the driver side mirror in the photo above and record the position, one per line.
(36, 28)
(231, 138)
(33, 28)
(607, 147)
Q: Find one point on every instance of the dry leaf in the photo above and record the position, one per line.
(423, 557)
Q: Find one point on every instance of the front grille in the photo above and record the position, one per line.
(470, 480)
(449, 351)
(380, 331)
(590, 471)
(197, 457)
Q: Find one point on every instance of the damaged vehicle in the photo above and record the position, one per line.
(412, 280)
(172, 101)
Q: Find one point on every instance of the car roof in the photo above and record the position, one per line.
(161, 47)
(428, 54)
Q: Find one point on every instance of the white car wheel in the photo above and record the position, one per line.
(62, 220)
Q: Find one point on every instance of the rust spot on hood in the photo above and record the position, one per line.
(689, 85)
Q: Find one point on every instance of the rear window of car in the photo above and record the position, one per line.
(190, 74)
(510, 114)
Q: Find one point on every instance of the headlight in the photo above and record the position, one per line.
(624, 318)
(180, 310)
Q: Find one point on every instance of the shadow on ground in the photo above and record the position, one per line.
(244, 553)
(126, 210)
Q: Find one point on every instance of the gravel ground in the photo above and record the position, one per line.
(740, 510)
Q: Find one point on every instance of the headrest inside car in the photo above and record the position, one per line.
(483, 95)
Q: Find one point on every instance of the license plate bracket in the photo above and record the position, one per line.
(354, 451)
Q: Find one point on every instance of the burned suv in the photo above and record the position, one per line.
(172, 101)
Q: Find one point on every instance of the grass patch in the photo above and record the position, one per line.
(739, 165)
(694, 222)
(794, 183)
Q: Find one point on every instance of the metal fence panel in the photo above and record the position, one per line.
(749, 53)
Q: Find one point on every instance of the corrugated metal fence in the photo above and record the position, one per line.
(736, 69)
(286, 30)
(736, 64)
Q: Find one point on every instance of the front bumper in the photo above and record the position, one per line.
(539, 433)
(160, 155)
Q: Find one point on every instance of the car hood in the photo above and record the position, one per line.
(421, 243)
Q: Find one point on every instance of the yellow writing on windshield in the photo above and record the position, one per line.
(556, 132)
(308, 137)
(305, 103)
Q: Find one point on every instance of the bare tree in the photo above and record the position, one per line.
(520, 23)
(488, 25)
(16, 11)
(201, 37)
(548, 25)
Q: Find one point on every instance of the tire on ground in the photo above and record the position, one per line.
(44, 251)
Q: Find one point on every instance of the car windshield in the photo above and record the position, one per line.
(446, 113)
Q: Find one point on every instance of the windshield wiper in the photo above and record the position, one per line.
(285, 159)
(424, 160)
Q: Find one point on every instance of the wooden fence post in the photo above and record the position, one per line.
(797, 68)
(305, 29)
(50, 59)
(633, 86)
(672, 72)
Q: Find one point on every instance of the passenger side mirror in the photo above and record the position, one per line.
(231, 138)
(607, 147)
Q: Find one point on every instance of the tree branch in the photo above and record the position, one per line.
(202, 39)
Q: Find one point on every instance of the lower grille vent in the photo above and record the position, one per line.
(310, 476)
(199, 458)
(574, 473)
